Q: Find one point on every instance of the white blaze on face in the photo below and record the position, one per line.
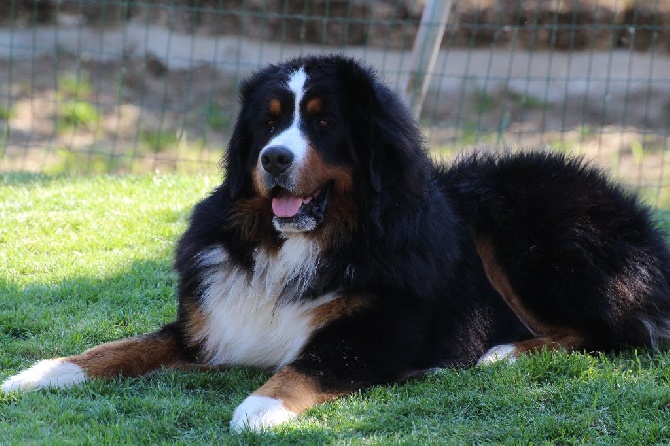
(292, 138)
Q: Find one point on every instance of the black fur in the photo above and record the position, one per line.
(579, 251)
(412, 266)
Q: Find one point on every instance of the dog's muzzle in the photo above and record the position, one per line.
(293, 210)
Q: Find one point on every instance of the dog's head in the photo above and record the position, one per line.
(317, 139)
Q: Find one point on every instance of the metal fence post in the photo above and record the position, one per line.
(424, 53)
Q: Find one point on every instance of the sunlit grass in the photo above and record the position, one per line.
(88, 260)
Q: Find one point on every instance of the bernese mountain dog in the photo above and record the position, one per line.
(338, 255)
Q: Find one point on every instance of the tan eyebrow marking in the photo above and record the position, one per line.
(314, 105)
(275, 107)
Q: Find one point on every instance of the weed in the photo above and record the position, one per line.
(72, 86)
(89, 161)
(485, 102)
(7, 113)
(637, 149)
(530, 102)
(158, 141)
(469, 135)
(4, 139)
(587, 130)
(77, 113)
(216, 117)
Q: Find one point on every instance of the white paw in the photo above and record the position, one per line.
(503, 352)
(46, 373)
(257, 413)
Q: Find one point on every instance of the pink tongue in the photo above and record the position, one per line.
(286, 206)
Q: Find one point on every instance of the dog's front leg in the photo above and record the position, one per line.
(284, 396)
(350, 355)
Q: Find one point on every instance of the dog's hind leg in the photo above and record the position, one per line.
(566, 341)
(128, 357)
(547, 336)
(578, 258)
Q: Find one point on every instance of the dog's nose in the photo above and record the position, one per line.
(276, 159)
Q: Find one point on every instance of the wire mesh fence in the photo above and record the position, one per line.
(130, 85)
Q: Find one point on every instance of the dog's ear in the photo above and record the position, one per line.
(390, 145)
(360, 82)
(235, 162)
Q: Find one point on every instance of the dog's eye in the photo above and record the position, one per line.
(272, 124)
(323, 124)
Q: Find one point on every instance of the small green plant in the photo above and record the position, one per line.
(561, 146)
(4, 140)
(216, 117)
(74, 87)
(73, 95)
(637, 149)
(77, 113)
(485, 102)
(468, 134)
(587, 130)
(7, 113)
(530, 102)
(159, 140)
(89, 161)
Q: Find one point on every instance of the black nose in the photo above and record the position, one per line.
(276, 159)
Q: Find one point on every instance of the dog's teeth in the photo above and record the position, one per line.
(306, 200)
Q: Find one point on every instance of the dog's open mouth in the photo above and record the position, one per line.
(294, 213)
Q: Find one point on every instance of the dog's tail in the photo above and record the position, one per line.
(128, 357)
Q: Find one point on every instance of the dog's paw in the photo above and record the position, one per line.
(257, 413)
(503, 352)
(46, 373)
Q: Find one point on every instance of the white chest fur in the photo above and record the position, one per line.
(245, 324)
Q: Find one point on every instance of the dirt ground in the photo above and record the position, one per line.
(390, 24)
(80, 97)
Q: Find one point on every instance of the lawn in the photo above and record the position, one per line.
(88, 260)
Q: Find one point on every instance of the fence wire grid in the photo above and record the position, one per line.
(111, 86)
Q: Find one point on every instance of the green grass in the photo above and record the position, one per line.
(87, 260)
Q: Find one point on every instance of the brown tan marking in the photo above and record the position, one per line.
(275, 107)
(547, 335)
(297, 391)
(338, 308)
(257, 178)
(129, 357)
(195, 324)
(315, 173)
(253, 219)
(569, 341)
(342, 209)
(314, 106)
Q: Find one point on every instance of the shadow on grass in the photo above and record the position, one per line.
(45, 320)
(51, 319)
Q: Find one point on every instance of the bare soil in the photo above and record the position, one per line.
(141, 91)
(390, 24)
